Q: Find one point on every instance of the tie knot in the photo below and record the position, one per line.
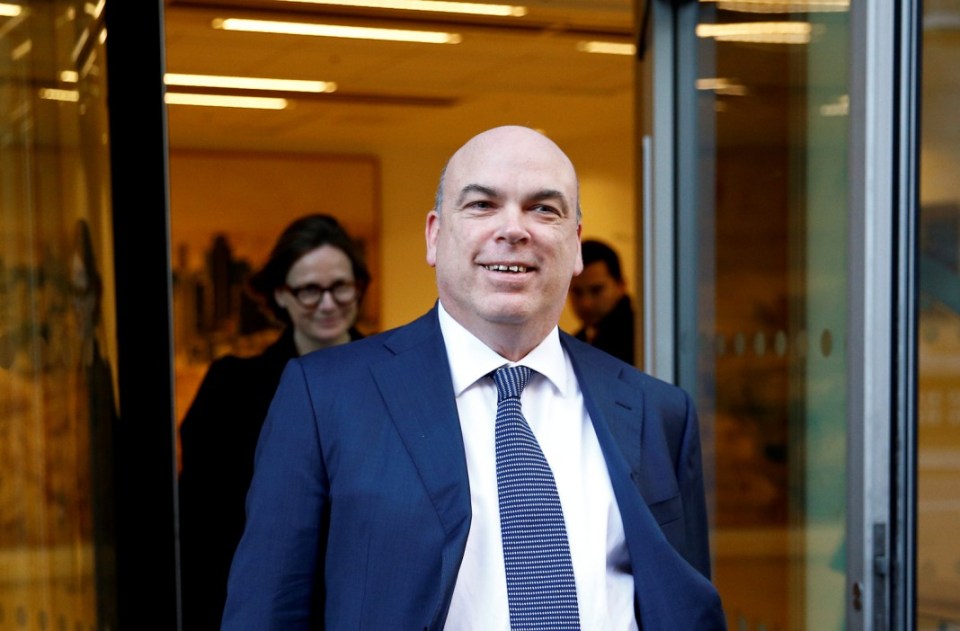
(510, 381)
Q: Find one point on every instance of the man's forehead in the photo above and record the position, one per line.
(516, 146)
(528, 191)
(501, 173)
(510, 161)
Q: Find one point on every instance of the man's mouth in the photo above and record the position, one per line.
(514, 269)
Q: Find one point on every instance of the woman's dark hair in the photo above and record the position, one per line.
(302, 236)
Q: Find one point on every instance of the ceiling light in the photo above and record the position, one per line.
(94, 10)
(55, 94)
(216, 100)
(69, 76)
(758, 32)
(712, 83)
(10, 10)
(840, 107)
(941, 20)
(249, 83)
(782, 6)
(437, 6)
(721, 85)
(335, 30)
(21, 51)
(609, 48)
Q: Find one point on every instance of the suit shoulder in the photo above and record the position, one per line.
(654, 387)
(348, 358)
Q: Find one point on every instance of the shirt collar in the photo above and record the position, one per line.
(470, 359)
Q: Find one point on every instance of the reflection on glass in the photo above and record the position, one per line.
(938, 510)
(57, 349)
(771, 243)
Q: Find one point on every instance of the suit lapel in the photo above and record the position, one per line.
(416, 387)
(670, 594)
(615, 408)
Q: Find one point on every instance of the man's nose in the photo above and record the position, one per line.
(513, 227)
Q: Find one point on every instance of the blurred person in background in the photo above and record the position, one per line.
(599, 299)
(313, 282)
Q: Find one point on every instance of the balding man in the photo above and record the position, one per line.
(477, 468)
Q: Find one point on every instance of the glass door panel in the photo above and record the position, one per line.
(768, 256)
(938, 436)
(57, 327)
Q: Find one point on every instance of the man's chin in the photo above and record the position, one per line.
(508, 312)
(517, 319)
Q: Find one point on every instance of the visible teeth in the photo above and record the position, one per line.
(506, 268)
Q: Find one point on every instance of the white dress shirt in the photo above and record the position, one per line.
(553, 406)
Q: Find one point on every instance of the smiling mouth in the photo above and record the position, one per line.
(514, 269)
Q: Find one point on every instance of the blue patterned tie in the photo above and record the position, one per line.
(540, 585)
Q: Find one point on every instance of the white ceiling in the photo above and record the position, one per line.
(507, 70)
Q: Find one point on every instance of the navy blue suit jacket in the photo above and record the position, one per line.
(358, 512)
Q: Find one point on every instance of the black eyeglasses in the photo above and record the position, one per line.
(311, 294)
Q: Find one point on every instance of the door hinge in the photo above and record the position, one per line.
(881, 575)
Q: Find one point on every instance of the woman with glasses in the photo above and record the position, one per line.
(313, 282)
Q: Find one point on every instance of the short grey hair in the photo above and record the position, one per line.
(438, 196)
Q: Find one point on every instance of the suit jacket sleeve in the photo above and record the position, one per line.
(274, 578)
(690, 478)
(672, 443)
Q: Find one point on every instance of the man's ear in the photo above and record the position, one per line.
(431, 232)
(578, 265)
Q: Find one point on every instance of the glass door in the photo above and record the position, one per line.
(779, 213)
(758, 203)
(938, 510)
(58, 343)
(769, 316)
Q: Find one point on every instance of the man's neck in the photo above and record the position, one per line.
(511, 341)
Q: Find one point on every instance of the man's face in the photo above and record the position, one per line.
(594, 293)
(507, 240)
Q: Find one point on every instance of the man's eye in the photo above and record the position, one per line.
(543, 208)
